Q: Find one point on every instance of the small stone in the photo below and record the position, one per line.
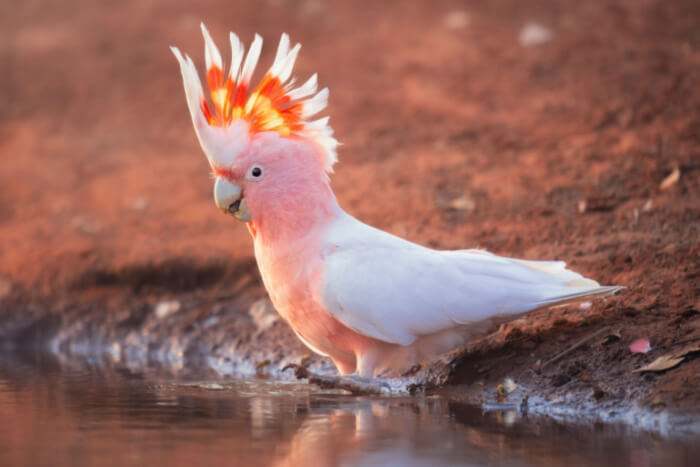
(166, 308)
(311, 7)
(263, 314)
(534, 34)
(139, 204)
(510, 385)
(581, 206)
(463, 203)
(456, 19)
(85, 225)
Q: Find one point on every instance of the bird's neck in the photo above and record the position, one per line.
(297, 218)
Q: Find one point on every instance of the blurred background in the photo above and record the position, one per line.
(496, 124)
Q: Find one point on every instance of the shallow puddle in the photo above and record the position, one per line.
(91, 415)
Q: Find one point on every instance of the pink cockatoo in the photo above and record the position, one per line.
(375, 304)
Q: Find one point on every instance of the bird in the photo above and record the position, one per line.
(372, 302)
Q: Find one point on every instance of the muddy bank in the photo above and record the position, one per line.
(548, 131)
(569, 362)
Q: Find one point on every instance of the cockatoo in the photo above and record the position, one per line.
(373, 303)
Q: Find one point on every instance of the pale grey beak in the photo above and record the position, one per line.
(229, 198)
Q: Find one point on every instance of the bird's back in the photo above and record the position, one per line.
(396, 291)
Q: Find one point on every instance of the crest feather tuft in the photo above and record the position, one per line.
(274, 104)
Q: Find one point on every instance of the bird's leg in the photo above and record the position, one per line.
(366, 362)
(344, 367)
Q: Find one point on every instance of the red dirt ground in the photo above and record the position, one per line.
(455, 135)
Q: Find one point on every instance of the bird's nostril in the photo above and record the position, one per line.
(233, 208)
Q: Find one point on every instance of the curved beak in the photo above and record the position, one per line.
(229, 198)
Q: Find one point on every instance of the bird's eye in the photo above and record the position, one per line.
(255, 173)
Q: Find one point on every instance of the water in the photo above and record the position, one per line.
(83, 414)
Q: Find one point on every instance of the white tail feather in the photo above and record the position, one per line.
(600, 291)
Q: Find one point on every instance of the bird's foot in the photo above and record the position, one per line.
(352, 383)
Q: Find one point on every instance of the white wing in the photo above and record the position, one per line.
(392, 290)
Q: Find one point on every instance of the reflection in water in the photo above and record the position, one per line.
(108, 416)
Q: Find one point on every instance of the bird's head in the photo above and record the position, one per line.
(265, 152)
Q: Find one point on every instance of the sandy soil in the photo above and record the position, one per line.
(552, 130)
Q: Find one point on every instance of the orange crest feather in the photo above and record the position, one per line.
(273, 105)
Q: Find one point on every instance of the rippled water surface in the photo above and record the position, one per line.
(60, 415)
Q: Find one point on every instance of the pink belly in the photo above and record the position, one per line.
(325, 335)
(294, 283)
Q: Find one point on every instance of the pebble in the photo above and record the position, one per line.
(263, 314)
(85, 225)
(456, 19)
(139, 204)
(166, 308)
(534, 34)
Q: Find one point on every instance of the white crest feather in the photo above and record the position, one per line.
(222, 139)
(316, 103)
(237, 52)
(211, 52)
(305, 89)
(251, 60)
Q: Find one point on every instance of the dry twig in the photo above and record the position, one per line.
(573, 347)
